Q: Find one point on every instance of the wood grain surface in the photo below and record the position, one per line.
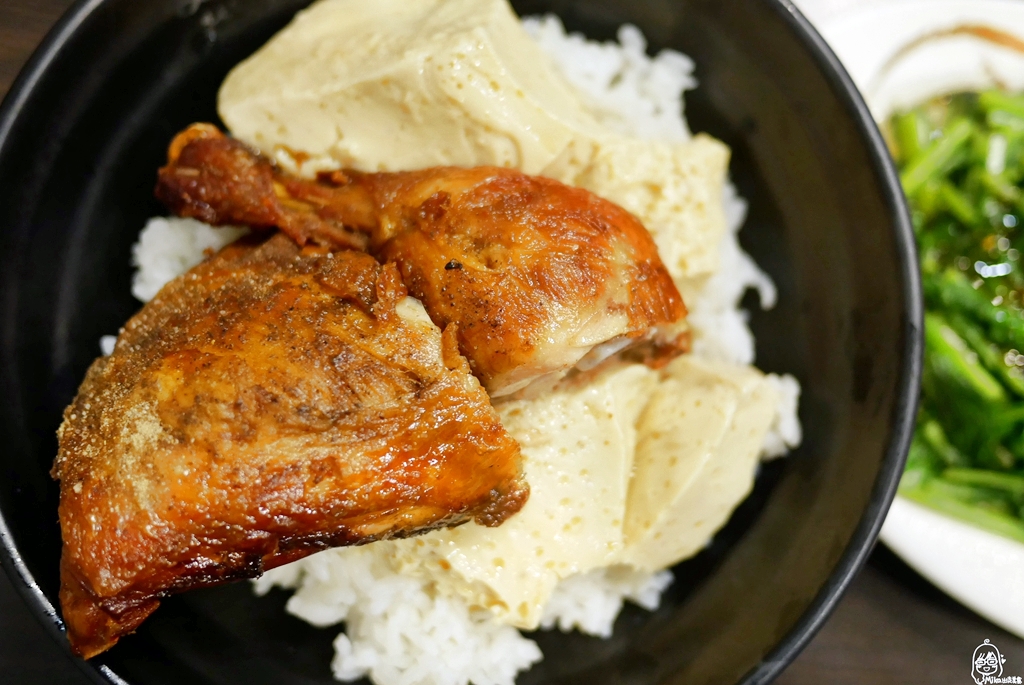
(892, 627)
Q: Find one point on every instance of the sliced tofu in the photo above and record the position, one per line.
(395, 85)
(577, 448)
(675, 189)
(697, 453)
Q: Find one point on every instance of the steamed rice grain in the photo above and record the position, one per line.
(626, 90)
(170, 247)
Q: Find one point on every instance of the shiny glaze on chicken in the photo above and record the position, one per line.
(535, 273)
(272, 402)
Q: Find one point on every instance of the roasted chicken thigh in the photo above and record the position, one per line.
(273, 401)
(535, 273)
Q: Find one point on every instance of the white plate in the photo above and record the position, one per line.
(881, 47)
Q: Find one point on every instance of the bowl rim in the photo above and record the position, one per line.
(865, 536)
(10, 110)
(884, 490)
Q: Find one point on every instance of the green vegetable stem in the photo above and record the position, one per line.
(961, 162)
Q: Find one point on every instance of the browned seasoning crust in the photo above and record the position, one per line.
(534, 272)
(270, 403)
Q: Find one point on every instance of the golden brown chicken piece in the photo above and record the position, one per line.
(535, 273)
(272, 402)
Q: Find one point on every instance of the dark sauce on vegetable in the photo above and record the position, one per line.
(961, 161)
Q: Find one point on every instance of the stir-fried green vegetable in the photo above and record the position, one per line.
(961, 161)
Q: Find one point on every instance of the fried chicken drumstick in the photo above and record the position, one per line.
(535, 273)
(272, 402)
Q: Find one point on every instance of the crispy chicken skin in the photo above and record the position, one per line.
(535, 273)
(218, 180)
(272, 402)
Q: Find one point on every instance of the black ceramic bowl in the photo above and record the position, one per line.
(85, 128)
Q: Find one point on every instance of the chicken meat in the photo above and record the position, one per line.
(537, 275)
(274, 401)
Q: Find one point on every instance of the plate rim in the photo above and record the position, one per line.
(837, 24)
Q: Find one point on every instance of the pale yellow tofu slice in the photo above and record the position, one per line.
(699, 441)
(577, 448)
(675, 189)
(395, 85)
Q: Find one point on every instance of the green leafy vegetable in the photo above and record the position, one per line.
(961, 162)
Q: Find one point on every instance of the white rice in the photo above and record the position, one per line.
(785, 432)
(107, 343)
(590, 602)
(168, 248)
(626, 90)
(398, 629)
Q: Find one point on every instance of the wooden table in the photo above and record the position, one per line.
(891, 627)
